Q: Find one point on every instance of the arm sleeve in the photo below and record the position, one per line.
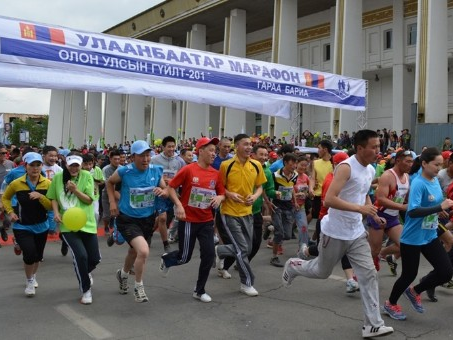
(269, 187)
(424, 211)
(6, 198)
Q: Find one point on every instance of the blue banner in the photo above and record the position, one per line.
(61, 58)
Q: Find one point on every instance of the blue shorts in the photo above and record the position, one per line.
(163, 205)
(391, 221)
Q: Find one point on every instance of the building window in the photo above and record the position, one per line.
(412, 34)
(258, 123)
(326, 52)
(388, 41)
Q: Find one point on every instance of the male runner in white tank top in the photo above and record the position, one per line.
(343, 232)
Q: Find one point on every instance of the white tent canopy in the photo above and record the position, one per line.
(41, 56)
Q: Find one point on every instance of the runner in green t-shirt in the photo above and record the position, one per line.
(74, 187)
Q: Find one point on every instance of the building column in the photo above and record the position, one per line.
(162, 111)
(348, 53)
(135, 118)
(195, 116)
(432, 61)
(93, 117)
(77, 122)
(284, 51)
(233, 121)
(113, 123)
(56, 117)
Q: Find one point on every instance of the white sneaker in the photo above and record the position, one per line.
(371, 332)
(288, 271)
(163, 268)
(203, 297)
(139, 293)
(87, 298)
(218, 261)
(91, 279)
(30, 289)
(352, 286)
(35, 283)
(248, 290)
(223, 273)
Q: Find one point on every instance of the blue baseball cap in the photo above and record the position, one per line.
(64, 152)
(139, 147)
(31, 157)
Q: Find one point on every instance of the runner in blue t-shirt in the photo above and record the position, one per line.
(419, 236)
(141, 183)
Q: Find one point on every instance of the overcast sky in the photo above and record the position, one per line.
(88, 15)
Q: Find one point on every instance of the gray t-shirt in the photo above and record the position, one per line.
(444, 180)
(5, 168)
(108, 171)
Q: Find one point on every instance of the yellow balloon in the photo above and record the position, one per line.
(74, 218)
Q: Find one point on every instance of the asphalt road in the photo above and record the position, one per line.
(319, 309)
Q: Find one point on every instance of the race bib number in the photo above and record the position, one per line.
(430, 222)
(141, 197)
(286, 193)
(169, 174)
(201, 198)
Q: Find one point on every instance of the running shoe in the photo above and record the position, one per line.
(4, 234)
(110, 240)
(392, 264)
(303, 251)
(87, 298)
(163, 268)
(415, 299)
(267, 231)
(139, 293)
(64, 248)
(17, 249)
(352, 286)
(371, 332)
(248, 290)
(288, 271)
(223, 273)
(30, 288)
(202, 297)
(275, 261)
(124, 288)
(394, 311)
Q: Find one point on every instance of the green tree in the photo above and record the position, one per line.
(37, 130)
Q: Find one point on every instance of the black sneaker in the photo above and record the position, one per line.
(266, 233)
(4, 234)
(275, 261)
(392, 264)
(64, 248)
(110, 240)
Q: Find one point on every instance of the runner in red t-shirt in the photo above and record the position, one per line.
(201, 191)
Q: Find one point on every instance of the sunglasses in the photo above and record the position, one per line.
(3, 153)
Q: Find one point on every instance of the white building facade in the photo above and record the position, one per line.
(403, 48)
